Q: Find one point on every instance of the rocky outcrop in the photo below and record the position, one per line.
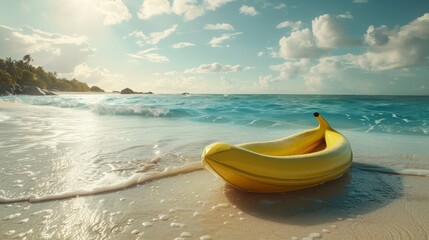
(127, 91)
(16, 89)
(130, 91)
(11, 89)
(96, 89)
(32, 90)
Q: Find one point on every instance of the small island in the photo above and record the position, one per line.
(130, 91)
(20, 77)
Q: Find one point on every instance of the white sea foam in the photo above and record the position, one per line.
(139, 109)
(4, 118)
(378, 121)
(177, 225)
(371, 127)
(135, 179)
(12, 216)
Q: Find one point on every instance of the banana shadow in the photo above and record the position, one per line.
(354, 194)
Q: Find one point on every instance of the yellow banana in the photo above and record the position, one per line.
(300, 161)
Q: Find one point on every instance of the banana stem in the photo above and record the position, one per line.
(322, 122)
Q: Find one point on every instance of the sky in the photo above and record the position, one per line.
(371, 47)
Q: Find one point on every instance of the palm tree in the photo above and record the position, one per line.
(27, 59)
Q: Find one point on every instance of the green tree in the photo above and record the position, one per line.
(21, 72)
(27, 59)
(30, 79)
(5, 78)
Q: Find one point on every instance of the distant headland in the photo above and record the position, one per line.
(20, 77)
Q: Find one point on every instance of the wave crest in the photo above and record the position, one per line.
(141, 110)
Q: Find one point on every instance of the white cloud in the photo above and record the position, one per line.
(293, 25)
(265, 81)
(138, 34)
(331, 74)
(346, 15)
(171, 73)
(115, 11)
(217, 41)
(260, 54)
(148, 55)
(291, 69)
(183, 45)
(406, 46)
(314, 82)
(248, 10)
(330, 65)
(174, 82)
(300, 44)
(397, 50)
(154, 37)
(189, 9)
(151, 8)
(280, 6)
(360, 1)
(98, 76)
(219, 26)
(329, 32)
(214, 4)
(217, 68)
(54, 51)
(377, 36)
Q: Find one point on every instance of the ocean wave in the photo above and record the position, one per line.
(393, 115)
(141, 110)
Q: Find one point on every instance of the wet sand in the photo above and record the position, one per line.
(197, 205)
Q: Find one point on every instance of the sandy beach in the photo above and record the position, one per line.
(198, 205)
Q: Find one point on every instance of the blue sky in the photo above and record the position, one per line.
(226, 46)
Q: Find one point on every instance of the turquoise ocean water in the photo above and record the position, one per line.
(70, 142)
(384, 114)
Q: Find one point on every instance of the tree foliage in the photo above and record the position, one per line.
(27, 59)
(22, 72)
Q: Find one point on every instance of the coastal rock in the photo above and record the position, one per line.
(47, 92)
(127, 91)
(16, 89)
(11, 89)
(32, 90)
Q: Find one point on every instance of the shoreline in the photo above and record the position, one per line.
(203, 206)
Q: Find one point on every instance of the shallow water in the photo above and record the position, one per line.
(63, 146)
